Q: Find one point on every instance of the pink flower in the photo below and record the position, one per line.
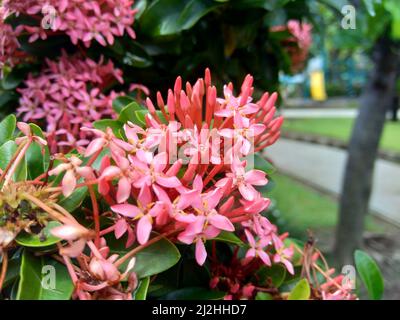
(257, 248)
(26, 130)
(125, 176)
(72, 170)
(144, 213)
(152, 172)
(244, 180)
(244, 136)
(283, 255)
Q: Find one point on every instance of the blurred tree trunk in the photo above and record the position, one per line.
(363, 147)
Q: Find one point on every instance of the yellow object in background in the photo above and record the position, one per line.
(317, 84)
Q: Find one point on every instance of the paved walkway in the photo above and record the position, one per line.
(319, 113)
(323, 167)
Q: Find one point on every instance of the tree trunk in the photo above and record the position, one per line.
(374, 103)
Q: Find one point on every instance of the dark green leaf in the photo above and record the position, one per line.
(260, 163)
(229, 237)
(121, 102)
(152, 260)
(7, 151)
(276, 273)
(141, 291)
(35, 240)
(128, 113)
(7, 128)
(42, 278)
(12, 272)
(370, 274)
(74, 200)
(171, 17)
(37, 156)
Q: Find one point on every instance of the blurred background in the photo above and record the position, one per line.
(336, 67)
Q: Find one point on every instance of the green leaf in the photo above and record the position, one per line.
(370, 5)
(7, 151)
(13, 79)
(75, 200)
(152, 260)
(137, 57)
(264, 296)
(121, 102)
(12, 272)
(37, 156)
(370, 274)
(7, 128)
(229, 237)
(142, 289)
(276, 273)
(301, 291)
(195, 293)
(128, 113)
(103, 124)
(34, 240)
(140, 6)
(163, 18)
(260, 163)
(35, 271)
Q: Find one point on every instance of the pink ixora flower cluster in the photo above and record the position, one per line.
(150, 189)
(99, 20)
(10, 53)
(66, 95)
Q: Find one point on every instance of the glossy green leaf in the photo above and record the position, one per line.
(12, 272)
(37, 240)
(370, 5)
(301, 291)
(142, 289)
(42, 278)
(229, 237)
(152, 260)
(170, 17)
(195, 293)
(260, 163)
(370, 274)
(7, 151)
(74, 200)
(140, 6)
(7, 128)
(128, 113)
(121, 102)
(103, 124)
(264, 296)
(275, 273)
(37, 156)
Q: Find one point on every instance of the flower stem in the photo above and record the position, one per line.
(14, 160)
(3, 268)
(96, 216)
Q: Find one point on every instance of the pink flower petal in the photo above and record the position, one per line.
(124, 190)
(120, 228)
(221, 222)
(201, 253)
(143, 229)
(127, 210)
(68, 183)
